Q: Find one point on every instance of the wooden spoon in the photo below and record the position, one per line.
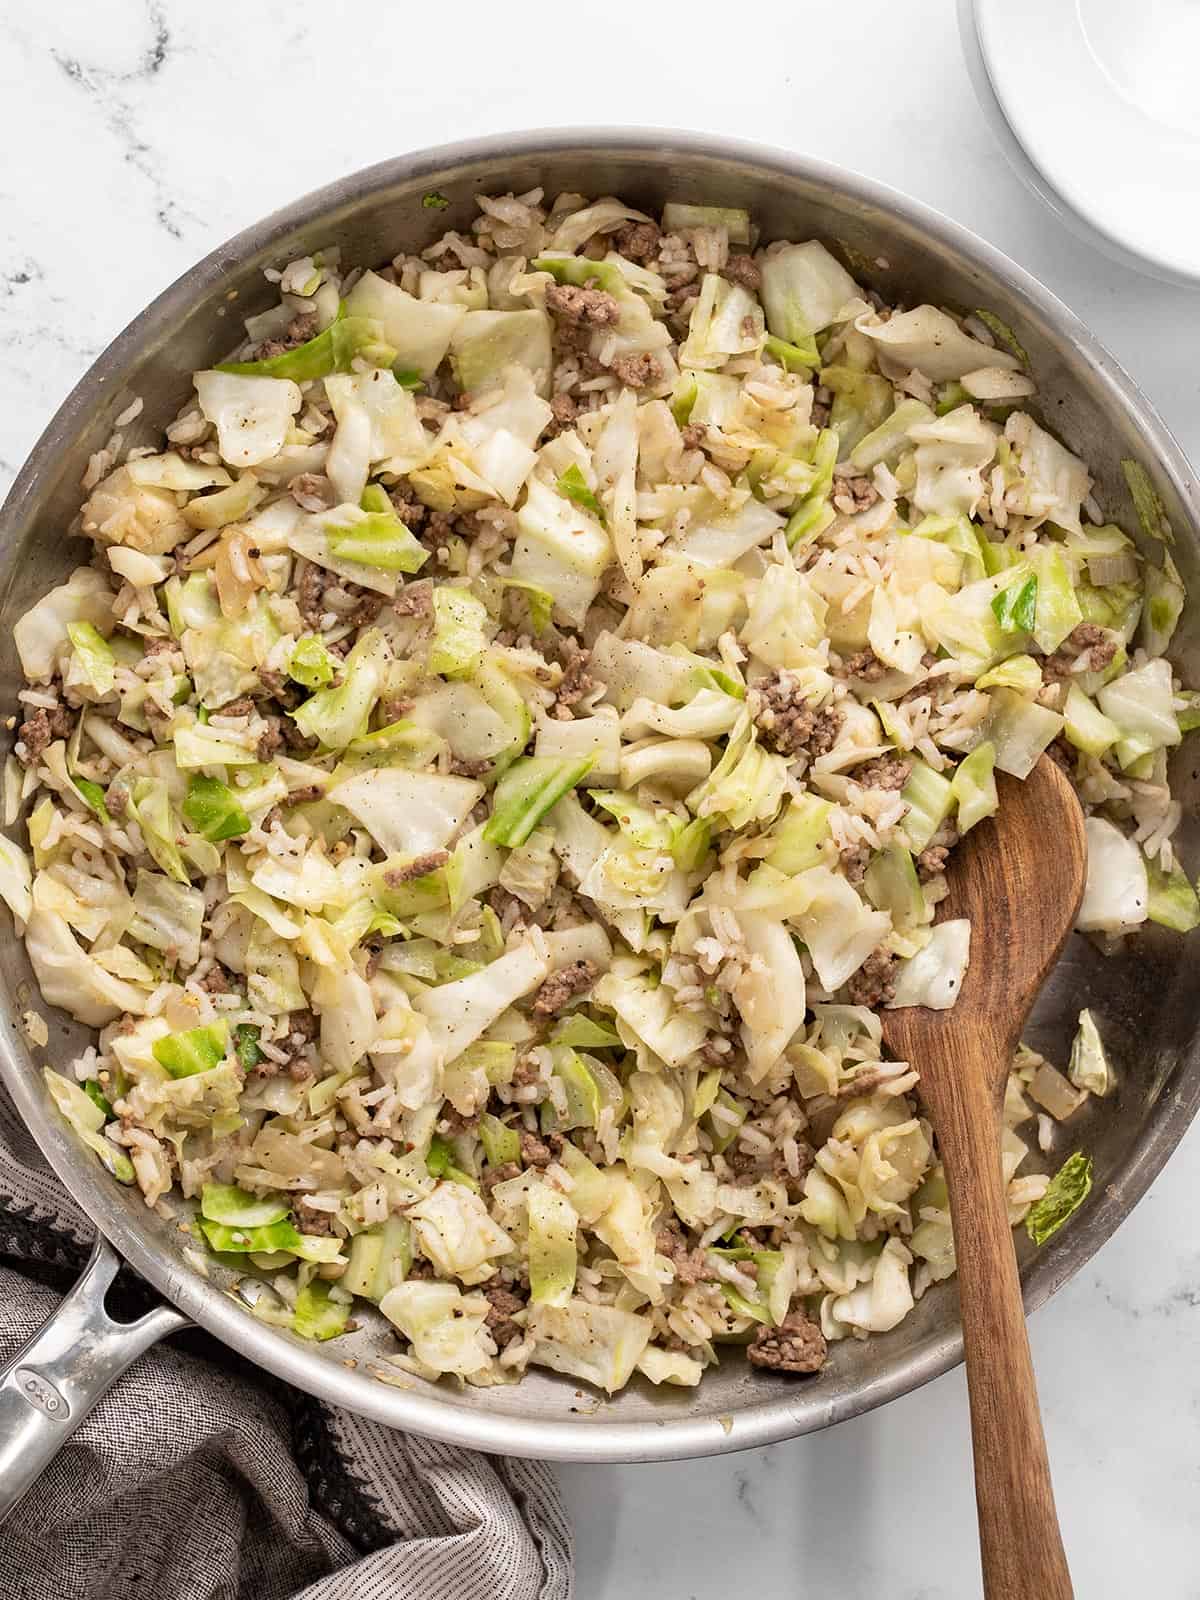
(1019, 876)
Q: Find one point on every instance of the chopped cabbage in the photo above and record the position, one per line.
(1117, 894)
(933, 977)
(596, 1343)
(252, 416)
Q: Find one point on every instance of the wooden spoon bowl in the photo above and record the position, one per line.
(1019, 877)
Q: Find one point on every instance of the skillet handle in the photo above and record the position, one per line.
(56, 1379)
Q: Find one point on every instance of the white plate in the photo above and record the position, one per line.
(1101, 98)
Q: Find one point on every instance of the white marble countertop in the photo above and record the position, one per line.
(139, 135)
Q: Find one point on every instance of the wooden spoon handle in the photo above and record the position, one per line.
(1020, 1544)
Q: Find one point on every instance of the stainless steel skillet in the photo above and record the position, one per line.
(1146, 995)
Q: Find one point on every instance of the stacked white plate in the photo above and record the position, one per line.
(1097, 107)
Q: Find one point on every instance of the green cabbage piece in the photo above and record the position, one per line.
(1165, 596)
(1069, 1188)
(553, 1257)
(335, 716)
(316, 1314)
(501, 1141)
(574, 486)
(375, 539)
(246, 1046)
(1173, 902)
(747, 784)
(237, 1208)
(86, 1119)
(345, 342)
(1015, 608)
(94, 655)
(194, 1050)
(804, 290)
(379, 1259)
(212, 809)
(929, 798)
(311, 664)
(1088, 1067)
(974, 786)
(529, 789)
(1020, 730)
(458, 638)
(1147, 502)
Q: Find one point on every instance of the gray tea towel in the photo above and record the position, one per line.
(200, 1478)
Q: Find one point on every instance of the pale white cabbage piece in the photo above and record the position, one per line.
(951, 453)
(444, 1326)
(647, 1016)
(724, 539)
(1117, 895)
(457, 1234)
(933, 977)
(839, 929)
(878, 1306)
(419, 331)
(343, 1001)
(596, 1343)
(930, 341)
(16, 880)
(459, 1012)
(500, 437)
(397, 438)
(251, 415)
(71, 978)
(484, 343)
(615, 459)
(598, 736)
(670, 1366)
(40, 634)
(120, 511)
(562, 549)
(770, 994)
(804, 290)
(1088, 1067)
(407, 813)
(168, 915)
(787, 617)
(1054, 483)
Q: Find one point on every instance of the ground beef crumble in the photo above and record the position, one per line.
(576, 683)
(310, 594)
(637, 241)
(299, 331)
(418, 867)
(638, 371)
(537, 1152)
(501, 1174)
(853, 494)
(788, 723)
(564, 412)
(593, 307)
(42, 727)
(691, 1265)
(503, 1306)
(563, 986)
(1085, 639)
(931, 861)
(884, 772)
(744, 270)
(855, 858)
(797, 1345)
(865, 666)
(874, 982)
